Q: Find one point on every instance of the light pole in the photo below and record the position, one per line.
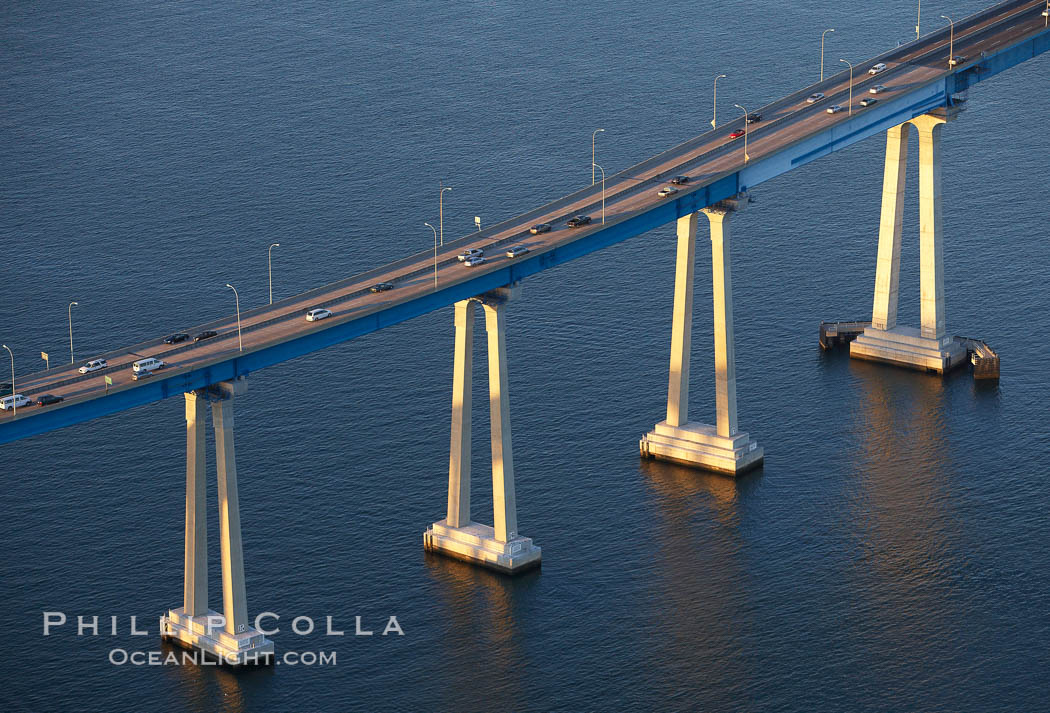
(441, 212)
(918, 17)
(269, 266)
(240, 344)
(593, 135)
(850, 86)
(603, 189)
(746, 157)
(714, 103)
(435, 254)
(14, 402)
(830, 29)
(951, 40)
(70, 310)
(1046, 15)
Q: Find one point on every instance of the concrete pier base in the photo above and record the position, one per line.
(205, 633)
(477, 544)
(905, 346)
(699, 445)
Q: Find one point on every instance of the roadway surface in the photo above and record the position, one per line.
(704, 159)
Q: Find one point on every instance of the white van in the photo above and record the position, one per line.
(14, 401)
(147, 364)
(877, 69)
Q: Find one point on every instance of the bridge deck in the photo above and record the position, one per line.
(791, 133)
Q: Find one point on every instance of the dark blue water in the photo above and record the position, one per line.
(892, 553)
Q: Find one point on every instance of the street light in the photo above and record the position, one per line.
(240, 344)
(70, 310)
(441, 212)
(269, 266)
(746, 157)
(593, 134)
(14, 401)
(951, 41)
(594, 166)
(830, 29)
(1046, 15)
(714, 103)
(435, 254)
(918, 17)
(850, 86)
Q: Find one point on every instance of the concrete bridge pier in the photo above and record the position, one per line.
(499, 547)
(722, 447)
(228, 636)
(928, 348)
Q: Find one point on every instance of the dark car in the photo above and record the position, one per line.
(753, 118)
(382, 286)
(579, 221)
(868, 101)
(207, 334)
(540, 228)
(679, 180)
(176, 338)
(737, 134)
(48, 399)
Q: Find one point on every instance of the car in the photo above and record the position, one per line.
(814, 98)
(14, 401)
(176, 338)
(382, 286)
(93, 365)
(754, 118)
(877, 89)
(48, 399)
(139, 375)
(318, 313)
(835, 109)
(5, 388)
(868, 101)
(469, 253)
(517, 250)
(147, 364)
(206, 334)
(474, 260)
(737, 134)
(877, 69)
(679, 180)
(540, 228)
(957, 59)
(667, 191)
(579, 221)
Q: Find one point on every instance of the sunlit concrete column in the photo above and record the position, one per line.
(504, 507)
(931, 276)
(228, 637)
(234, 604)
(195, 582)
(721, 447)
(459, 451)
(725, 348)
(682, 323)
(928, 348)
(499, 547)
(887, 271)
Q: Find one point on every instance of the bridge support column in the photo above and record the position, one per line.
(721, 447)
(499, 547)
(928, 348)
(228, 637)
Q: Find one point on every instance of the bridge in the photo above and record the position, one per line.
(926, 83)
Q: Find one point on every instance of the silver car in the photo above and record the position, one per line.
(814, 98)
(517, 250)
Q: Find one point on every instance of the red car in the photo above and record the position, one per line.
(737, 134)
